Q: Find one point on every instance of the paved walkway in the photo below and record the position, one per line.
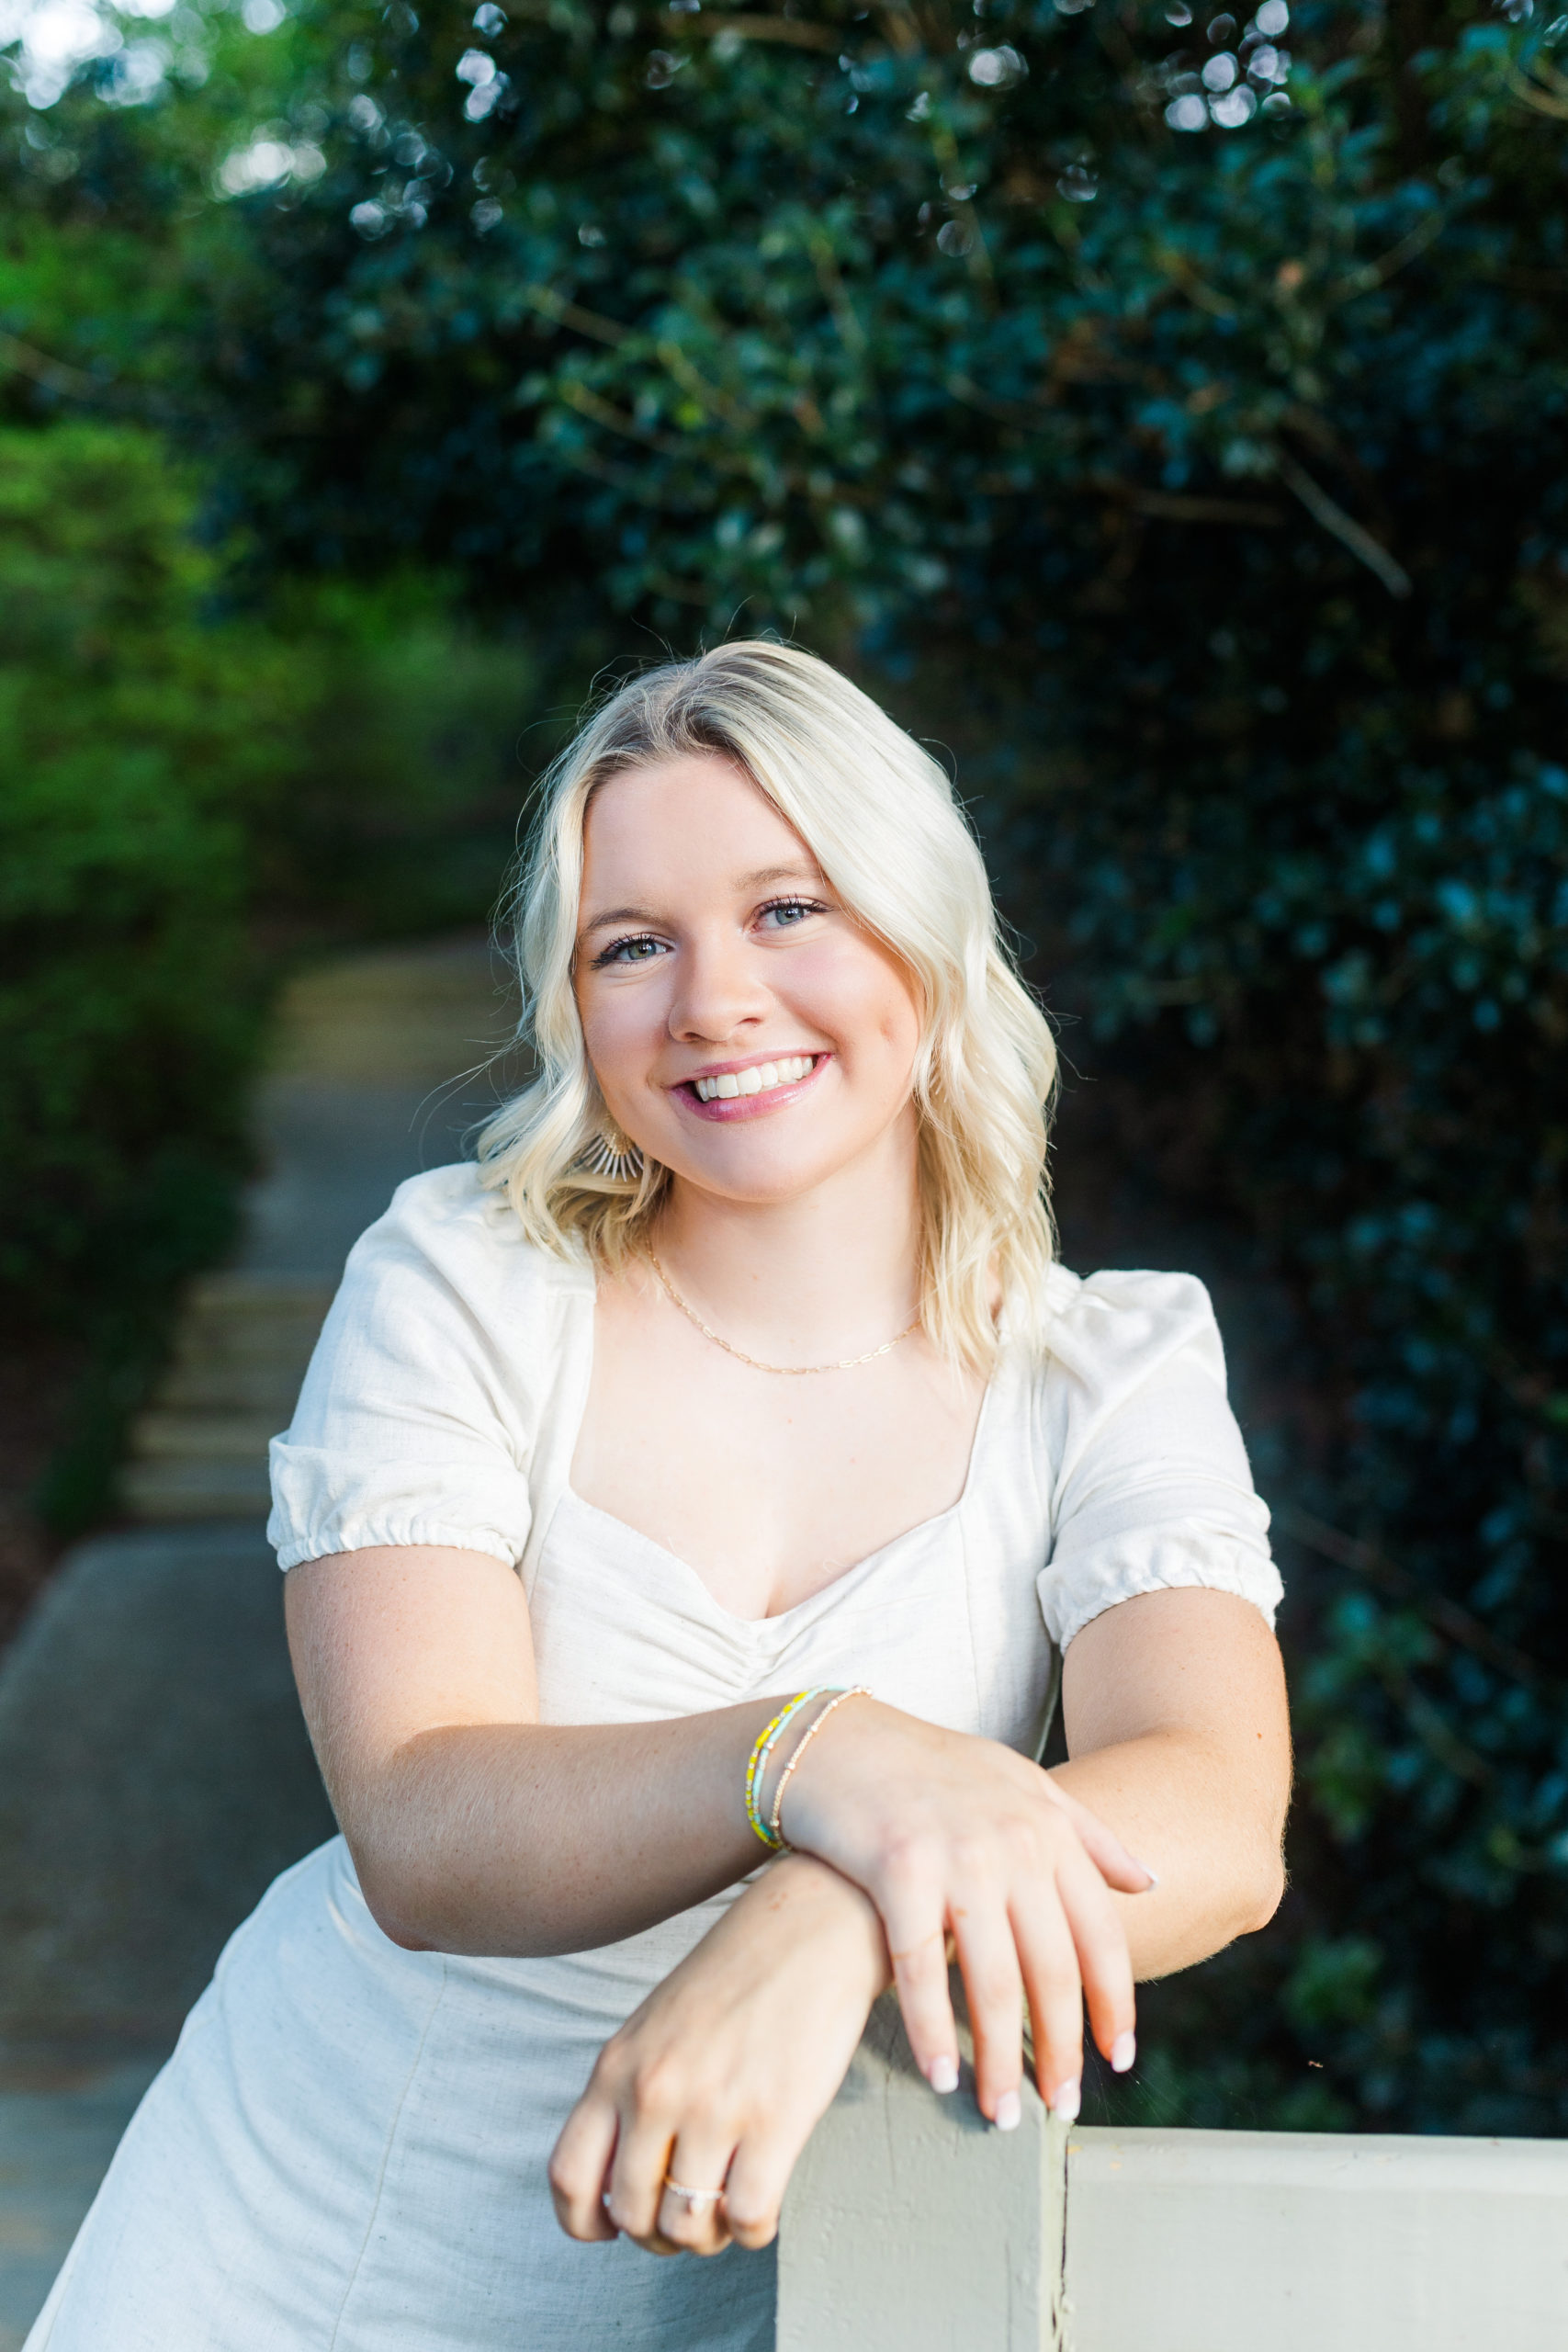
(154, 1773)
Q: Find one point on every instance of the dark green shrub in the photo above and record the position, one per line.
(132, 731)
(400, 809)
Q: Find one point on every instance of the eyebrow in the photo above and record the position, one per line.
(797, 871)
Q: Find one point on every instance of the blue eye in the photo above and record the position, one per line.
(791, 911)
(628, 951)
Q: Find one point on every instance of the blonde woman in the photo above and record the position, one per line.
(735, 1384)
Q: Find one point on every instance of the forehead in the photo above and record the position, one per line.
(691, 820)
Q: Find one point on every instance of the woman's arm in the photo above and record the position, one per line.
(473, 1828)
(1179, 1739)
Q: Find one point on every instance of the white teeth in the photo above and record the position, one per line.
(759, 1080)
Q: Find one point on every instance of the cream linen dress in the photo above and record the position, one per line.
(346, 2151)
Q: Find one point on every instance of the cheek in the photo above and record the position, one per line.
(615, 1028)
(863, 997)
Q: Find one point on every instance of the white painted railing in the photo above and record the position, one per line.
(912, 2227)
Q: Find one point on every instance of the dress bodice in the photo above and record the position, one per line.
(944, 1620)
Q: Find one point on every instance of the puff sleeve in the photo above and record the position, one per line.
(1152, 1487)
(419, 1415)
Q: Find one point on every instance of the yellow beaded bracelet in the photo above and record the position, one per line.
(759, 1763)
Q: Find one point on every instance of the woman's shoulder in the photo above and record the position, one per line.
(449, 1227)
(1107, 1332)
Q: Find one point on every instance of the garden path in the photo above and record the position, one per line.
(154, 1773)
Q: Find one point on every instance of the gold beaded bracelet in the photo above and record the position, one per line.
(776, 1836)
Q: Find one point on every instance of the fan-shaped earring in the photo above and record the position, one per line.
(613, 1155)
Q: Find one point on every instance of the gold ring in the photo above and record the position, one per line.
(692, 2196)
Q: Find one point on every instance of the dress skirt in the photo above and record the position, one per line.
(348, 2153)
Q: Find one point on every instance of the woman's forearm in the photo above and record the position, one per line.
(1180, 1806)
(1174, 1706)
(527, 1839)
(474, 1827)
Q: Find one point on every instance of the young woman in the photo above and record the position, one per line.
(735, 1382)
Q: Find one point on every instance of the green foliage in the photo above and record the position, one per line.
(130, 733)
(401, 810)
(1225, 471)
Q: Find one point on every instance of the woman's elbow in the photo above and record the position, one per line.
(402, 1932)
(397, 1905)
(1264, 1889)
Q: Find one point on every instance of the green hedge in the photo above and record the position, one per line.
(133, 735)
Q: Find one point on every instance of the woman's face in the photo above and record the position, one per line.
(744, 1029)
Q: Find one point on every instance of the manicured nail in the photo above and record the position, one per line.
(1123, 2050)
(1009, 2112)
(1153, 1876)
(943, 2074)
(1065, 2100)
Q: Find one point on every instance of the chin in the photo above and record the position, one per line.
(750, 1168)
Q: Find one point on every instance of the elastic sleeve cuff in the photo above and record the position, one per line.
(330, 1499)
(364, 1535)
(1079, 1591)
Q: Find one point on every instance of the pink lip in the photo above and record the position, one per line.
(746, 1106)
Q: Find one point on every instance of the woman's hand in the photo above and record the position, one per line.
(953, 1836)
(719, 2079)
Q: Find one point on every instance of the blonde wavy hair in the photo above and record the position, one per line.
(878, 815)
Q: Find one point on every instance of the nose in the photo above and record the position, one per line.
(719, 993)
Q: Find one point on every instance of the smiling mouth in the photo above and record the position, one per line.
(763, 1078)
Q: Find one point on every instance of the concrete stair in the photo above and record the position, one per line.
(382, 1063)
(198, 1451)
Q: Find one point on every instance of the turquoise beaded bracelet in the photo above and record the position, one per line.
(758, 1765)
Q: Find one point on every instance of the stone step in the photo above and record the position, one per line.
(239, 1291)
(153, 1490)
(211, 1345)
(264, 1386)
(202, 1436)
(198, 1448)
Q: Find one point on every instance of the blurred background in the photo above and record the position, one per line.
(1165, 415)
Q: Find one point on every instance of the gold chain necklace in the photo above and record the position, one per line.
(789, 1370)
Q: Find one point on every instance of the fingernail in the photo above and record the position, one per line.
(1065, 2100)
(943, 2074)
(1009, 2112)
(1123, 2050)
(1152, 1875)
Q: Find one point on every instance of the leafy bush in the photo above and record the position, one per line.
(400, 809)
(131, 732)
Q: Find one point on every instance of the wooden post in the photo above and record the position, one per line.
(911, 2225)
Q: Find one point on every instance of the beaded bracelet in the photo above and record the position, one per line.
(759, 1764)
(856, 1691)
